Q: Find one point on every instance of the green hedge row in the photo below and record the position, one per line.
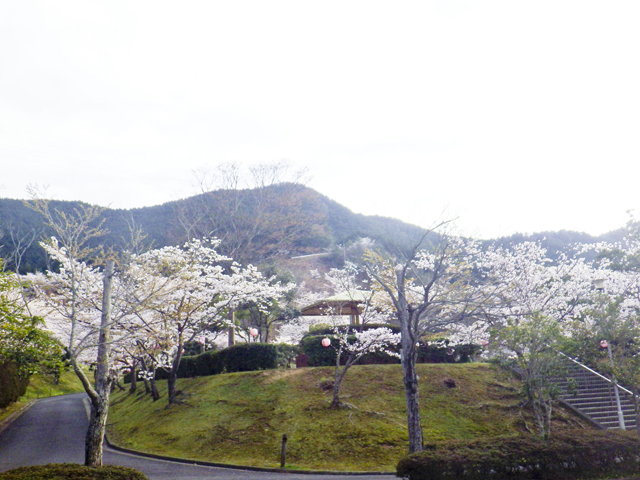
(582, 454)
(242, 357)
(12, 384)
(442, 353)
(319, 356)
(69, 471)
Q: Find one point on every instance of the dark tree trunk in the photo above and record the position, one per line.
(147, 389)
(173, 376)
(155, 395)
(410, 378)
(134, 378)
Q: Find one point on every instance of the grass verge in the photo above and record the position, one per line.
(240, 418)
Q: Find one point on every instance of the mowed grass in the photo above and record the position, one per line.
(240, 418)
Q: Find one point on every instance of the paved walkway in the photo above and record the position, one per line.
(53, 430)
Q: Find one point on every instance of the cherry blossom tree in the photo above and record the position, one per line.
(369, 341)
(194, 289)
(428, 287)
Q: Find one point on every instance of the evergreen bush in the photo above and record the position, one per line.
(319, 356)
(242, 357)
(70, 471)
(580, 454)
(12, 383)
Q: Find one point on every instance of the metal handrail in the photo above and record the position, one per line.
(594, 372)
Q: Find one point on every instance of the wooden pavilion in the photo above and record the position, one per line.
(346, 303)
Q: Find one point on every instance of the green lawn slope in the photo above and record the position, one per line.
(240, 418)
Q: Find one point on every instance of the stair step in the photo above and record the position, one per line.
(594, 397)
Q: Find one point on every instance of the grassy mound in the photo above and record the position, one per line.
(240, 418)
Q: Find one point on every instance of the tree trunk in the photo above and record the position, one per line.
(147, 389)
(173, 376)
(134, 378)
(155, 395)
(337, 381)
(95, 433)
(413, 399)
(410, 378)
(100, 396)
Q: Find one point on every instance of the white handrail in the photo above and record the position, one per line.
(593, 371)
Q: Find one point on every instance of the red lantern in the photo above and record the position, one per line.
(326, 342)
(604, 344)
(253, 332)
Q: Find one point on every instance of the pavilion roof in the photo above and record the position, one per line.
(345, 303)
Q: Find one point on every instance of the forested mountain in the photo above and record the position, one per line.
(255, 225)
(260, 226)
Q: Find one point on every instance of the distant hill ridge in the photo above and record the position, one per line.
(259, 226)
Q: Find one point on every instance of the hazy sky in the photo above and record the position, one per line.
(510, 115)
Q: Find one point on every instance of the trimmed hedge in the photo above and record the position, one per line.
(71, 471)
(242, 357)
(581, 454)
(320, 356)
(12, 384)
(441, 353)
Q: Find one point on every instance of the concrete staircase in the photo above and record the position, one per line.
(592, 395)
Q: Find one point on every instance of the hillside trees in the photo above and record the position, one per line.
(256, 217)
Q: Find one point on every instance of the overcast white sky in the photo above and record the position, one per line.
(514, 116)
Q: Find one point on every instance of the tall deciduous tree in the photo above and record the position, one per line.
(88, 307)
(428, 287)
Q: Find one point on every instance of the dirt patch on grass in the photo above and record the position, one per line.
(275, 375)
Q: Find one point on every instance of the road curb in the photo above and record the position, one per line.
(236, 467)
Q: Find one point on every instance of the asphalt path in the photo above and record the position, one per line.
(53, 430)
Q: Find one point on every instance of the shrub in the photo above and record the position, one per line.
(320, 356)
(242, 357)
(581, 454)
(13, 384)
(441, 353)
(245, 357)
(69, 471)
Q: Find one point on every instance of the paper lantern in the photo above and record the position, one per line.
(253, 332)
(326, 342)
